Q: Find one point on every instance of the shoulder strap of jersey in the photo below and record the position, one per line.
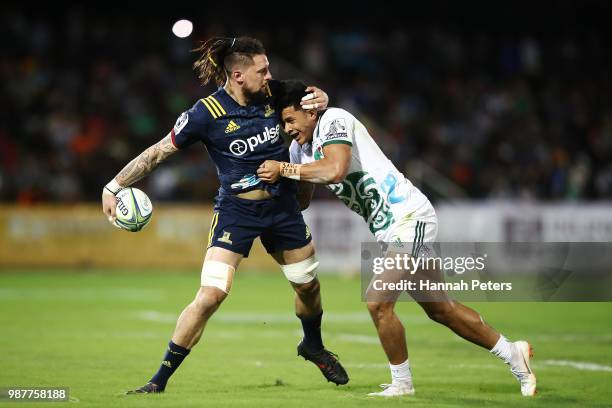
(214, 106)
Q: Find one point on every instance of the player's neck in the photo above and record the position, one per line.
(236, 94)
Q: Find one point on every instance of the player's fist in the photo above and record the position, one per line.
(109, 206)
(269, 171)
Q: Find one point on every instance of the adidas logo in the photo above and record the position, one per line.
(167, 363)
(231, 127)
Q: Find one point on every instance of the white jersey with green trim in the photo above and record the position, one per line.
(373, 188)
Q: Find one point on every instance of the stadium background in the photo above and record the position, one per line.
(501, 113)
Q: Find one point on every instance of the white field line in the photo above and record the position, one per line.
(578, 365)
(80, 294)
(377, 366)
(241, 317)
(154, 316)
(477, 366)
(573, 364)
(367, 365)
(573, 337)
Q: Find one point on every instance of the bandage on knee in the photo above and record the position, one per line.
(217, 274)
(301, 272)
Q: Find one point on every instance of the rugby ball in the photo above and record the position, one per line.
(134, 209)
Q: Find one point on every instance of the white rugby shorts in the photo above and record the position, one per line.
(410, 232)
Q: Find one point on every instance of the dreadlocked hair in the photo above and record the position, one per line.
(218, 55)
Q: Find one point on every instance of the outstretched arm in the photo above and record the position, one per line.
(148, 160)
(332, 168)
(136, 170)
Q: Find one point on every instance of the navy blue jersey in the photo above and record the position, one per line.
(238, 139)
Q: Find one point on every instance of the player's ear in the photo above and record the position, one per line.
(311, 114)
(237, 76)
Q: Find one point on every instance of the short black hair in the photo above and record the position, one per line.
(288, 93)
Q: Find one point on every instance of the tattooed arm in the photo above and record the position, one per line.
(148, 160)
(136, 170)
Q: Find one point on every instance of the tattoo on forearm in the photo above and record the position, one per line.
(290, 170)
(148, 160)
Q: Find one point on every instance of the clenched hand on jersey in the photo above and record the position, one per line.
(332, 168)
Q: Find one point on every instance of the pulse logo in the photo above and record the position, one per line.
(240, 147)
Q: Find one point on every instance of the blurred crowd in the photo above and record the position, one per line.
(519, 115)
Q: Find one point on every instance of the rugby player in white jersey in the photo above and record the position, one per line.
(333, 148)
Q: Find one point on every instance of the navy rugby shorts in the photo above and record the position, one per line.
(277, 221)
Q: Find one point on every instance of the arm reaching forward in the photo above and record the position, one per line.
(332, 168)
(136, 170)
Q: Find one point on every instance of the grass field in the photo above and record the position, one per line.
(103, 333)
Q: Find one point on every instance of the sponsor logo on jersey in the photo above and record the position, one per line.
(232, 127)
(269, 111)
(181, 122)
(337, 128)
(247, 181)
(393, 189)
(239, 147)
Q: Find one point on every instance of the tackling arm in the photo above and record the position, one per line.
(331, 169)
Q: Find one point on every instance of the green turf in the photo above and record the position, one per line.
(103, 333)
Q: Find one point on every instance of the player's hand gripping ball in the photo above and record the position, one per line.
(134, 209)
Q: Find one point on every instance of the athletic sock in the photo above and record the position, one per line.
(312, 332)
(503, 349)
(173, 358)
(400, 373)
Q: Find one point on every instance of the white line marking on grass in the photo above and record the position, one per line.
(154, 316)
(265, 317)
(289, 317)
(72, 294)
(579, 365)
(477, 366)
(582, 337)
(366, 365)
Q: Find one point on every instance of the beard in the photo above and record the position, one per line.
(255, 98)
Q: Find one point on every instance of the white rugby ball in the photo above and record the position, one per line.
(134, 209)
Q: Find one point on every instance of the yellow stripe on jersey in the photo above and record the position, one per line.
(214, 107)
(213, 225)
(217, 104)
(210, 109)
(268, 90)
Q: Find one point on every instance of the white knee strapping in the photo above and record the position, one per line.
(301, 272)
(217, 274)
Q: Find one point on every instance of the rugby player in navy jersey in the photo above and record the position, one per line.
(240, 130)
